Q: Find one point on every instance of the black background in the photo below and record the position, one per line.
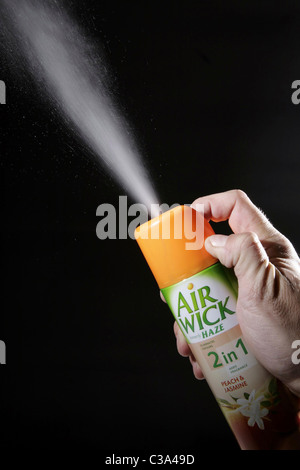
(91, 356)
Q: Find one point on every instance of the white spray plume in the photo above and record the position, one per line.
(57, 49)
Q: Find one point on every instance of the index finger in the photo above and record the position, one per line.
(236, 207)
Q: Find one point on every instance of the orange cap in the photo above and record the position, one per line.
(173, 245)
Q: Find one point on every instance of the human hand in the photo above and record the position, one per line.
(268, 271)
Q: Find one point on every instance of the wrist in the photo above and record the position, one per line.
(291, 442)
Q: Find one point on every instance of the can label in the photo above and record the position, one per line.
(204, 306)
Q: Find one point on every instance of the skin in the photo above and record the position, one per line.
(268, 271)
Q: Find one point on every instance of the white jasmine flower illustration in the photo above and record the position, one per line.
(250, 407)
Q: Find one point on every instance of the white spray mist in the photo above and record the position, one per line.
(57, 50)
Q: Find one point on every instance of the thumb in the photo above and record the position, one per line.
(243, 252)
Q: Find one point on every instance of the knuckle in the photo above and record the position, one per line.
(249, 239)
(240, 194)
(243, 240)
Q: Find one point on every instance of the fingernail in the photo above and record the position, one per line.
(217, 240)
